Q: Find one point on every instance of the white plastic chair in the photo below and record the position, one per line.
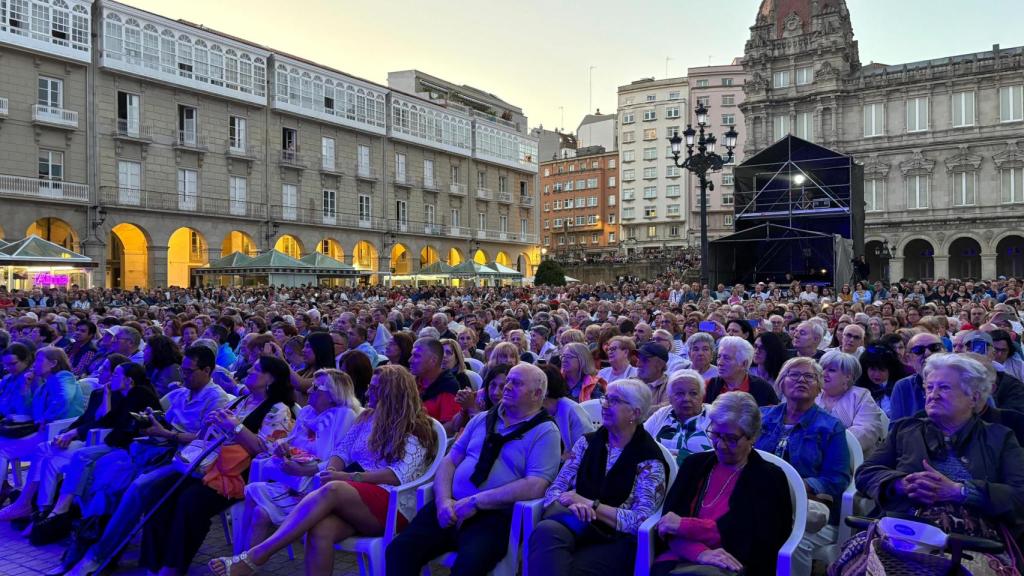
(475, 365)
(474, 379)
(593, 408)
(371, 550)
(52, 430)
(829, 553)
(647, 533)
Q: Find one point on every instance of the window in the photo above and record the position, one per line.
(611, 218)
(558, 205)
(672, 211)
(703, 83)
(430, 214)
(502, 183)
(780, 79)
(236, 133)
(650, 211)
(1011, 103)
(874, 119)
(628, 117)
(237, 188)
(51, 92)
(804, 76)
(650, 173)
(568, 186)
(728, 200)
(963, 109)
(561, 240)
(628, 175)
(673, 95)
(402, 214)
(129, 182)
(671, 132)
(917, 114)
(581, 220)
(188, 189)
(611, 182)
(327, 153)
(651, 97)
(363, 160)
(704, 100)
(365, 209)
(456, 217)
(428, 174)
(650, 192)
(805, 126)
(780, 126)
(481, 180)
(917, 191)
(728, 99)
(558, 222)
(650, 153)
(611, 237)
(481, 220)
(523, 227)
(591, 201)
(628, 136)
(672, 191)
(591, 183)
(651, 134)
(611, 163)
(128, 113)
(650, 115)
(628, 213)
(873, 200)
(399, 167)
(51, 165)
(727, 220)
(611, 200)
(964, 188)
(652, 231)
(672, 171)
(454, 173)
(728, 179)
(727, 81)
(728, 119)
(672, 112)
(1012, 183)
(289, 201)
(593, 238)
(628, 155)
(547, 172)
(188, 127)
(628, 194)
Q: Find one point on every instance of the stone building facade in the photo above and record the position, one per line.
(941, 141)
(579, 196)
(168, 145)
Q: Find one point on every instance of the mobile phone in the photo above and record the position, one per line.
(979, 346)
(706, 326)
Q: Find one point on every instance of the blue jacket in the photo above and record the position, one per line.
(58, 398)
(907, 398)
(816, 447)
(15, 396)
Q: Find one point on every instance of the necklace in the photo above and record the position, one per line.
(721, 491)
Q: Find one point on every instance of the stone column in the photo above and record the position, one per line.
(941, 266)
(98, 252)
(895, 268)
(988, 266)
(157, 264)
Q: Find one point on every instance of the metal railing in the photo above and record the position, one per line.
(55, 116)
(365, 171)
(403, 179)
(43, 188)
(526, 200)
(131, 129)
(175, 202)
(240, 150)
(458, 189)
(433, 229)
(484, 194)
(430, 184)
(327, 164)
(505, 197)
(316, 215)
(189, 139)
(459, 231)
(4, 106)
(292, 158)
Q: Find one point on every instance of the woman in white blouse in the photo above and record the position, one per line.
(852, 405)
(391, 443)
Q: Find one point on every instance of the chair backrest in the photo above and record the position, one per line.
(442, 448)
(673, 465)
(476, 365)
(885, 425)
(593, 408)
(856, 452)
(798, 494)
(474, 379)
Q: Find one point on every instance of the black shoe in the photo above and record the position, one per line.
(51, 529)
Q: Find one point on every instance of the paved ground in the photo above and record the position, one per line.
(19, 558)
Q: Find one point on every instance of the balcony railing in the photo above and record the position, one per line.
(457, 189)
(433, 229)
(365, 171)
(404, 180)
(328, 165)
(43, 188)
(54, 116)
(292, 158)
(316, 215)
(175, 202)
(4, 106)
(505, 197)
(484, 194)
(525, 200)
(190, 140)
(131, 130)
(430, 184)
(501, 236)
(240, 150)
(459, 231)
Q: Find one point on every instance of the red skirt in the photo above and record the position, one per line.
(376, 500)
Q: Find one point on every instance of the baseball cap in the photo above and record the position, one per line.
(651, 349)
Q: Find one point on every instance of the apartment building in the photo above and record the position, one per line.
(580, 204)
(720, 90)
(653, 207)
(181, 145)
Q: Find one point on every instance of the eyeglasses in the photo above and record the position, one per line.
(730, 439)
(805, 376)
(614, 401)
(933, 348)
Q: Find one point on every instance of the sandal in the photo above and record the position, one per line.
(228, 562)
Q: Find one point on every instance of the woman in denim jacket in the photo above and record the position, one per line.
(814, 443)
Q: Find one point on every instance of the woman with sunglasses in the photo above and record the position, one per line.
(728, 509)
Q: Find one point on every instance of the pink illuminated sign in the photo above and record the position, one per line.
(49, 279)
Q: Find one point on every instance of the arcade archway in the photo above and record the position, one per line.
(289, 245)
(186, 249)
(127, 257)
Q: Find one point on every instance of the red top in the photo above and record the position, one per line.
(442, 407)
(695, 535)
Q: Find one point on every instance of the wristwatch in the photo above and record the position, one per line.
(472, 502)
(596, 503)
(358, 476)
(238, 428)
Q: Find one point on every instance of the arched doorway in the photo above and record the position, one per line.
(400, 260)
(186, 249)
(524, 265)
(428, 256)
(965, 258)
(364, 256)
(55, 230)
(875, 263)
(480, 257)
(1010, 257)
(289, 245)
(331, 248)
(501, 258)
(918, 260)
(127, 257)
(455, 257)
(237, 241)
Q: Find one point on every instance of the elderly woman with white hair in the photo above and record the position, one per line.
(852, 405)
(701, 351)
(613, 480)
(734, 357)
(681, 425)
(949, 464)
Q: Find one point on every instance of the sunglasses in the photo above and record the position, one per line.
(933, 348)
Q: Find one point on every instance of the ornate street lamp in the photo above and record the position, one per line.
(701, 158)
(884, 254)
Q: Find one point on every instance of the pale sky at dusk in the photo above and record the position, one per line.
(537, 53)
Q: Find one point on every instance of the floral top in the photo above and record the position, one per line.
(277, 424)
(646, 497)
(681, 438)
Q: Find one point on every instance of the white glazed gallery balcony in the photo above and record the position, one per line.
(53, 116)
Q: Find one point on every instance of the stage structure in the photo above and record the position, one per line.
(799, 215)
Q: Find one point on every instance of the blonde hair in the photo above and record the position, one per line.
(57, 356)
(460, 360)
(508, 348)
(398, 413)
(582, 351)
(571, 335)
(340, 388)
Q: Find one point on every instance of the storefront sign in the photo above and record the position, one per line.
(48, 279)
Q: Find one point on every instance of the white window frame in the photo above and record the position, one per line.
(329, 206)
(129, 124)
(874, 119)
(402, 215)
(804, 76)
(966, 102)
(629, 155)
(129, 182)
(1011, 103)
(481, 220)
(780, 126)
(1011, 185)
(503, 223)
(965, 188)
(400, 172)
(50, 92)
(780, 79)
(237, 193)
(917, 114)
(650, 115)
(237, 137)
(428, 174)
(728, 99)
(430, 214)
(328, 149)
(188, 189)
(874, 195)
(805, 126)
(918, 187)
(289, 201)
(456, 218)
(365, 210)
(363, 159)
(673, 191)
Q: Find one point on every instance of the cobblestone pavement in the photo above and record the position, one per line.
(19, 558)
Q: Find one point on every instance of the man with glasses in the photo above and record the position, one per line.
(908, 393)
(852, 340)
(675, 362)
(1006, 353)
(1008, 392)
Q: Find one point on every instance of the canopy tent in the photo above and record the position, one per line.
(43, 263)
(773, 252)
(472, 269)
(231, 260)
(505, 272)
(326, 267)
(571, 280)
(436, 269)
(279, 268)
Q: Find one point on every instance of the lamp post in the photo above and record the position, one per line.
(701, 158)
(884, 253)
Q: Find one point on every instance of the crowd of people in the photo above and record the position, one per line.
(299, 409)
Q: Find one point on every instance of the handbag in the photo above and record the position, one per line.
(225, 473)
